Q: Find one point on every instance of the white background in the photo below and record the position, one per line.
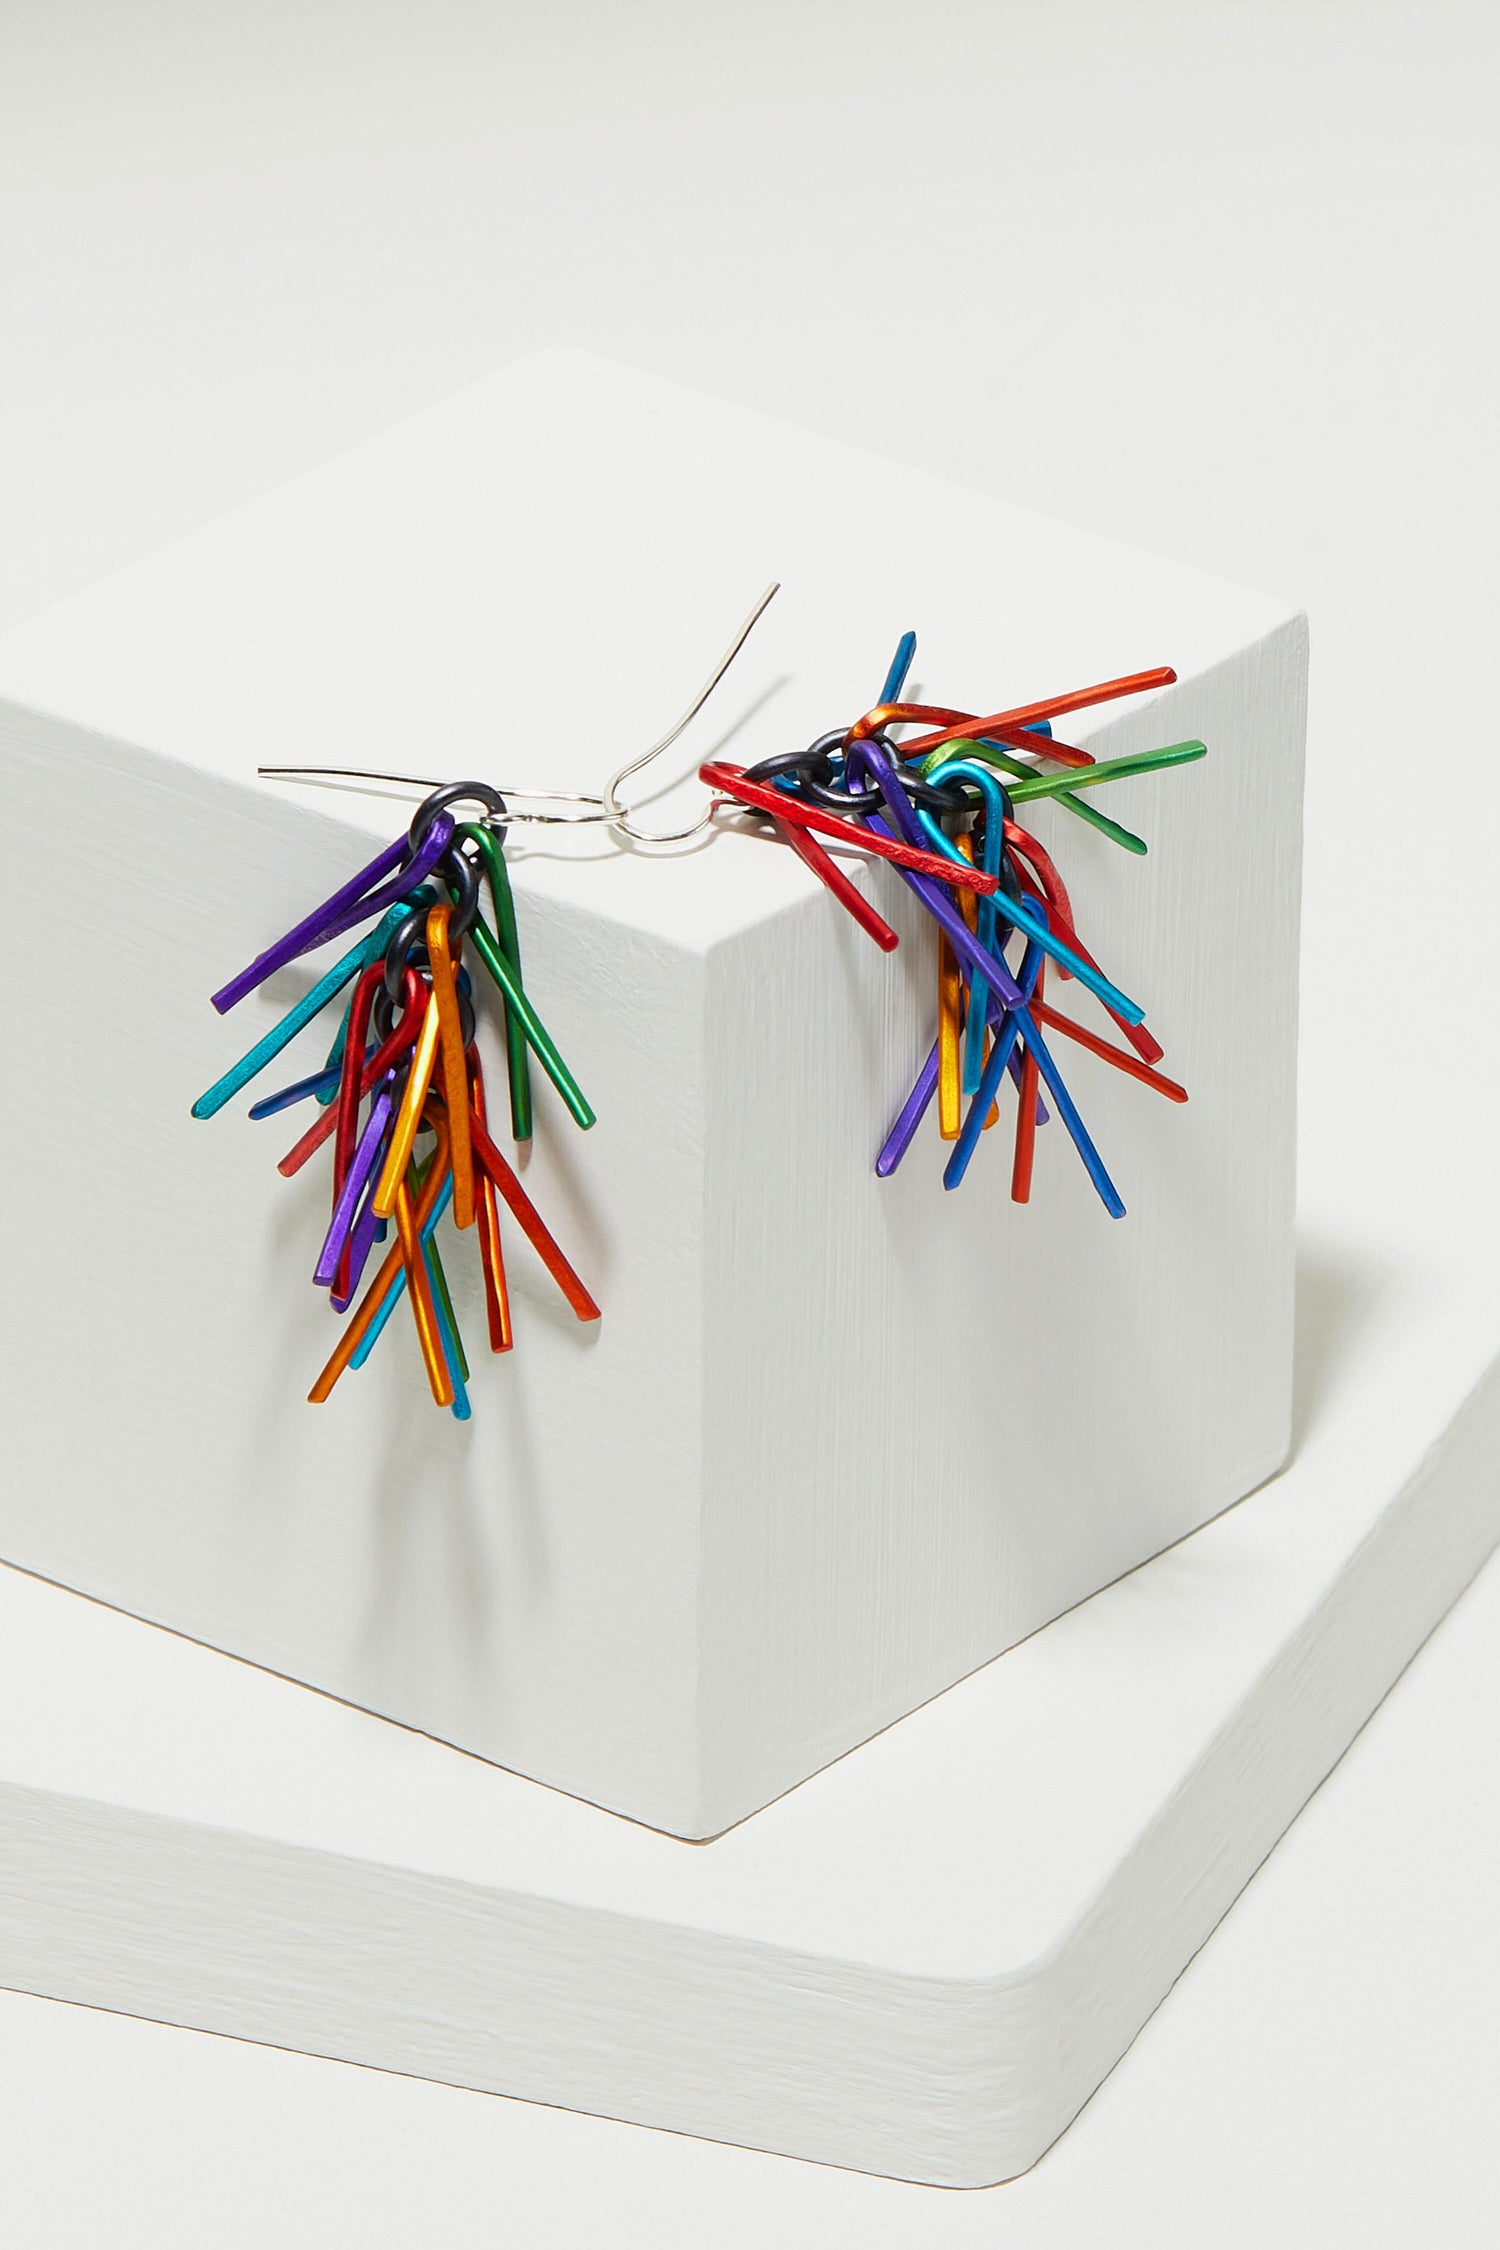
(1218, 280)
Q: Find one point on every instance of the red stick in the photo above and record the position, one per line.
(1060, 914)
(1044, 745)
(530, 1221)
(965, 723)
(1051, 707)
(828, 871)
(388, 1052)
(1107, 1053)
(732, 781)
(487, 1217)
(1054, 889)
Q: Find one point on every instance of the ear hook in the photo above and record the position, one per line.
(605, 809)
(615, 812)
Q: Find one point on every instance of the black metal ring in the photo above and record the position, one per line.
(802, 763)
(839, 798)
(405, 940)
(461, 875)
(456, 793)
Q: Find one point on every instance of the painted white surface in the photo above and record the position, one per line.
(676, 1564)
(921, 1962)
(1251, 335)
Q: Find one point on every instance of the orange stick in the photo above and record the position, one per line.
(530, 1221)
(1051, 707)
(496, 1294)
(404, 1132)
(385, 1279)
(419, 1292)
(455, 1071)
(950, 1001)
(962, 726)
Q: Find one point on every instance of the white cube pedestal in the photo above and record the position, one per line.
(836, 1442)
(921, 1962)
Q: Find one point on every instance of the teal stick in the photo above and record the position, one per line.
(397, 1289)
(296, 1019)
(453, 1343)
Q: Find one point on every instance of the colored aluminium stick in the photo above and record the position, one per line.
(483, 941)
(895, 679)
(419, 1295)
(373, 948)
(326, 1272)
(1106, 1053)
(403, 1036)
(951, 726)
(281, 1035)
(1146, 1045)
(981, 914)
(518, 1069)
(828, 870)
(989, 1086)
(1023, 1161)
(531, 1223)
(948, 918)
(409, 1116)
(1075, 963)
(1126, 838)
(950, 1002)
(346, 1121)
(496, 1292)
(448, 1331)
(354, 903)
(1108, 769)
(397, 1286)
(455, 1069)
(287, 948)
(380, 1289)
(367, 1231)
(913, 1110)
(1078, 1133)
(907, 857)
(1050, 707)
(1007, 1024)
(304, 1088)
(1109, 1194)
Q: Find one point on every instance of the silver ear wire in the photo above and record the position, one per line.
(599, 811)
(618, 814)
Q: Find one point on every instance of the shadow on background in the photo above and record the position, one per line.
(1337, 1295)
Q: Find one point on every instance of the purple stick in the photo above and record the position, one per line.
(368, 1230)
(965, 944)
(325, 1273)
(354, 903)
(899, 1139)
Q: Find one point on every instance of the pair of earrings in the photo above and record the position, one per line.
(402, 1093)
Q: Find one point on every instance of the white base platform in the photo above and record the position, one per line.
(922, 1961)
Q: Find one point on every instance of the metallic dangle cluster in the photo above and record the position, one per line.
(402, 1094)
(940, 805)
